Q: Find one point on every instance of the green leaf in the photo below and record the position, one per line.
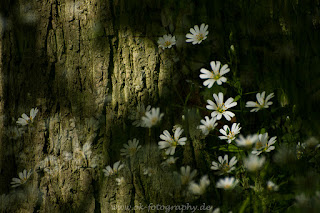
(237, 98)
(230, 148)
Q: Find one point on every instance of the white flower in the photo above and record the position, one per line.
(131, 148)
(261, 102)
(152, 118)
(186, 175)
(253, 162)
(14, 132)
(108, 171)
(67, 156)
(170, 161)
(219, 108)
(170, 143)
(199, 189)
(136, 115)
(230, 135)
(120, 181)
(87, 150)
(167, 41)
(228, 183)
(25, 120)
(263, 145)
(215, 75)
(271, 186)
(224, 165)
(216, 210)
(23, 178)
(248, 141)
(197, 35)
(207, 125)
(300, 149)
(149, 171)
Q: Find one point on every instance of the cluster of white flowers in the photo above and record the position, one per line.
(196, 36)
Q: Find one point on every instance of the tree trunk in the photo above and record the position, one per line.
(85, 65)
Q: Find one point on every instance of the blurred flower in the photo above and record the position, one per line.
(152, 118)
(261, 102)
(167, 41)
(228, 183)
(207, 125)
(224, 165)
(170, 161)
(186, 175)
(199, 189)
(170, 143)
(25, 120)
(215, 75)
(311, 143)
(13, 132)
(271, 186)
(108, 171)
(131, 148)
(148, 171)
(197, 35)
(136, 115)
(219, 108)
(230, 135)
(248, 141)
(67, 156)
(253, 162)
(216, 210)
(300, 149)
(23, 178)
(263, 145)
(120, 181)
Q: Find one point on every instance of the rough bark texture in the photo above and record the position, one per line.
(87, 64)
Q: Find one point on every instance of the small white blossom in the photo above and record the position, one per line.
(263, 145)
(23, 178)
(14, 132)
(186, 176)
(207, 125)
(199, 189)
(261, 102)
(197, 35)
(171, 142)
(167, 41)
(228, 134)
(271, 186)
(149, 171)
(224, 166)
(67, 156)
(25, 120)
(170, 161)
(108, 171)
(136, 115)
(228, 183)
(220, 108)
(216, 210)
(247, 141)
(152, 118)
(120, 181)
(216, 75)
(131, 148)
(253, 162)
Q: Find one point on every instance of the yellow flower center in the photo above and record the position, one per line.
(154, 121)
(216, 77)
(225, 167)
(227, 186)
(259, 145)
(167, 43)
(200, 37)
